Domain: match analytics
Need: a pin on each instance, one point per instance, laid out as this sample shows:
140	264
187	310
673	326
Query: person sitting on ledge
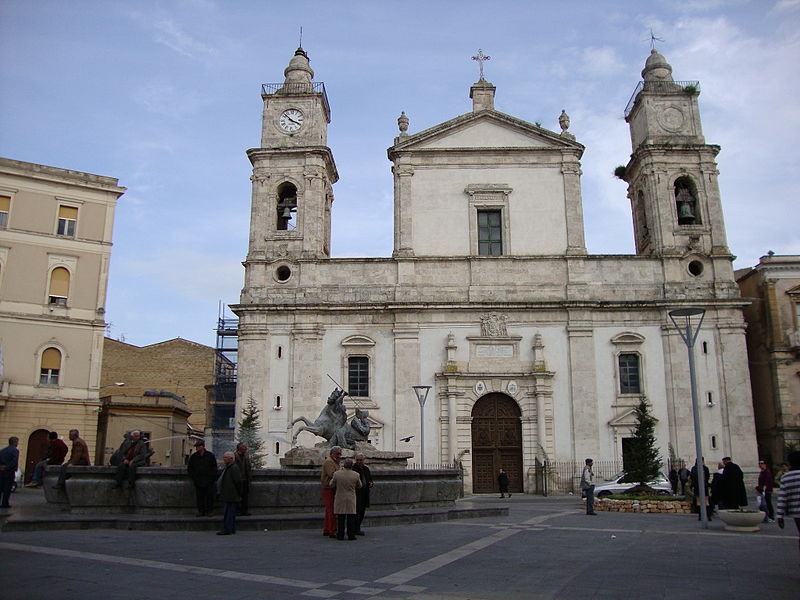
56	452
133	453
79	456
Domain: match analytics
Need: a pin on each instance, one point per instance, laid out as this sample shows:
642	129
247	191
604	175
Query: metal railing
662	87
315	87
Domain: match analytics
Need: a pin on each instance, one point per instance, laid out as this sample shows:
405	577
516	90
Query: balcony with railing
315	87
662	87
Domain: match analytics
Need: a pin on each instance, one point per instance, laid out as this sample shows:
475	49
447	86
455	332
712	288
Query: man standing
230	492
696	488
329	467
502	481
9	461
56	452
202	469
789	495
245	470
346	482
132	454
362	495
587	485
732	491
683	477
78	456
764	487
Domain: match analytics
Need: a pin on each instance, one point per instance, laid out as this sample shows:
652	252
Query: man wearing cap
587	485
202	469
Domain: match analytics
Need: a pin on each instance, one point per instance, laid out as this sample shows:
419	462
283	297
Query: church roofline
408	142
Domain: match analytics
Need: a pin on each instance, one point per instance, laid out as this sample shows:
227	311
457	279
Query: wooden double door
496	442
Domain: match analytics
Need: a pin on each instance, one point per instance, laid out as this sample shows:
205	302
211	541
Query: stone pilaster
583	392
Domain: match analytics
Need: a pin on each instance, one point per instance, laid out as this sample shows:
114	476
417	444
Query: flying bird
406	439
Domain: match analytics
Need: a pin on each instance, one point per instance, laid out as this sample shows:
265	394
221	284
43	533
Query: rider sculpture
332	418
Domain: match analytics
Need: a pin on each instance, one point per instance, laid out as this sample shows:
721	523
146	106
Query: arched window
59	286
287	207
686	202
51	367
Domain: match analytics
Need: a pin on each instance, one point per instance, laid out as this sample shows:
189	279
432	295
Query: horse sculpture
332	418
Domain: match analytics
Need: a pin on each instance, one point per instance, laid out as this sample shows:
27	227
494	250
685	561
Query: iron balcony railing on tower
663	87
315	87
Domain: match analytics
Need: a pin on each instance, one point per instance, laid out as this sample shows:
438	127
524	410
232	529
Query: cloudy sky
165	96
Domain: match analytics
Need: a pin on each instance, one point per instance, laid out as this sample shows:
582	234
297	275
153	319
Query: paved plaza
546	548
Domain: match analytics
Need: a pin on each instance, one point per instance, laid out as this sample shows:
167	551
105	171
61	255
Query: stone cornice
255	154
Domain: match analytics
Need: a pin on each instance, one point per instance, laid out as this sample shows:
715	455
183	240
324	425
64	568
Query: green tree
249	426
643	461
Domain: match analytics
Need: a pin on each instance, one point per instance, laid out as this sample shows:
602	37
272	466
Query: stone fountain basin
744	521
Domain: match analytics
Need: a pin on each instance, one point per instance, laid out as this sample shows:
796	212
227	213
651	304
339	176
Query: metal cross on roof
480	57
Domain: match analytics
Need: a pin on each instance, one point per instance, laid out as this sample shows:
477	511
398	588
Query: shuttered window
5	206
59	286
67	220
51	367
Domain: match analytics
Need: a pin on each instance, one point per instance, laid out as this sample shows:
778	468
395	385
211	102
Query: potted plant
741	519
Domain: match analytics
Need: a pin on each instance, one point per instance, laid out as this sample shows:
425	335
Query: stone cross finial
480	57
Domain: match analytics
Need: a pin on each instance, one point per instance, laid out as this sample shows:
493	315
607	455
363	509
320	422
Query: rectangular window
358	376
5	206
67	220
49	377
490	233
629	374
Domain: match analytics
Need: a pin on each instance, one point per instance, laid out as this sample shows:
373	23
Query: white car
621	483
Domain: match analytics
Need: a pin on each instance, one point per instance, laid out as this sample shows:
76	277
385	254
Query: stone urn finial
563	121
402	123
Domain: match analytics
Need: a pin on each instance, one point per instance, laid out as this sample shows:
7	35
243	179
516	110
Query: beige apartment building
773	347
55	246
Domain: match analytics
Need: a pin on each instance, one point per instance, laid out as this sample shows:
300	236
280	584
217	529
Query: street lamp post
422	394
682	318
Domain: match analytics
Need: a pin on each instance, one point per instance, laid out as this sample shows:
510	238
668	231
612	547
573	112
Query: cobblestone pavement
545	549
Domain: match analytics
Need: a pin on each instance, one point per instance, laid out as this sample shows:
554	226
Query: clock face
291	120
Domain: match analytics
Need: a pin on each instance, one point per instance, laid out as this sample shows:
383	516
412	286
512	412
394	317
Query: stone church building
533	349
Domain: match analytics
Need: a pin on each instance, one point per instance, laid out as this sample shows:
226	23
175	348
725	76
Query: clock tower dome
293	174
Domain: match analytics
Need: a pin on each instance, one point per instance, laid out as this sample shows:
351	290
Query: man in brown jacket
78	456
346	482
329	467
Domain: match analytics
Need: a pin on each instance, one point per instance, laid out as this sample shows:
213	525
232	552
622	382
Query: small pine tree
643	462
249	425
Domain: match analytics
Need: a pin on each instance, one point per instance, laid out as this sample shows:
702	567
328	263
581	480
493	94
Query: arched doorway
496	442
37	450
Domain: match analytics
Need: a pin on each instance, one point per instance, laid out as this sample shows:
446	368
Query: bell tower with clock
672	173
293	171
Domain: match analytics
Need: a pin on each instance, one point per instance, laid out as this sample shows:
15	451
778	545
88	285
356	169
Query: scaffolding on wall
223	397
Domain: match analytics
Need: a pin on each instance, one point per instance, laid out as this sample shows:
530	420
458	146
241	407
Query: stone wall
642	506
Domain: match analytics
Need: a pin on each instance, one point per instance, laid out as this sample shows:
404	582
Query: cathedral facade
532	349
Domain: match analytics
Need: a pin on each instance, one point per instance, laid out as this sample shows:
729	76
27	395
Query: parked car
621	483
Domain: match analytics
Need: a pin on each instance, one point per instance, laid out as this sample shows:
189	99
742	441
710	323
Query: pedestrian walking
502	482
789	495
202	469
362	495
695	482
683	477
764	487
246	471
346	482
329	467
229	487
587	486
9	462
673	480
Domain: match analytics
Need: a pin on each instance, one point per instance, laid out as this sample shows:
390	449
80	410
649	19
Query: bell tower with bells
672	173
293	171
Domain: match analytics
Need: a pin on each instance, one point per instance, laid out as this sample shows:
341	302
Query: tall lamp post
682	318
422	394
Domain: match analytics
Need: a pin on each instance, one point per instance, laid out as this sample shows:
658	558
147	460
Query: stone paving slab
543	549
